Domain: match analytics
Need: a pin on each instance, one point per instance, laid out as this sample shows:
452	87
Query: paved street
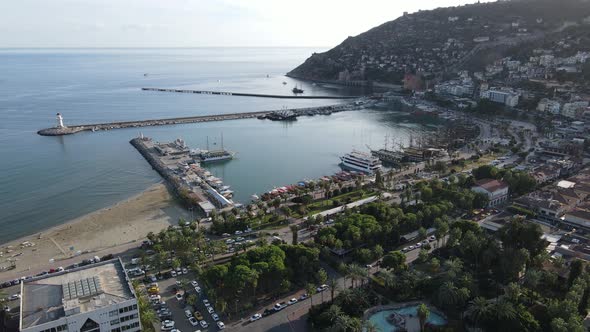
293	318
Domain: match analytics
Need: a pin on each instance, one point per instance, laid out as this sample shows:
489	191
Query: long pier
241	94
73	129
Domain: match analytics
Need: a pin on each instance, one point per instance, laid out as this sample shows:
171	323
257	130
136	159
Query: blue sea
46	181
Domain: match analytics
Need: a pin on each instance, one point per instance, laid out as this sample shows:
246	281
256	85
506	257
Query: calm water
379	319
45	181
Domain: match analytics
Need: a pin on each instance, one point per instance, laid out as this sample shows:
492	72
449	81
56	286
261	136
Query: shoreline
112	229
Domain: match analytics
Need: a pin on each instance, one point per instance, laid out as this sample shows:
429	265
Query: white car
198	289
188	313
14	297
215	317
322	288
292	301
418	245
193	321
194	283
184	270
255	317
173	273
220	325
178	296
206	302
238	232
204	324
210	310
167	325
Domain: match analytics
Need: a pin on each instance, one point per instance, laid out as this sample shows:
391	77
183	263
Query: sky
196	23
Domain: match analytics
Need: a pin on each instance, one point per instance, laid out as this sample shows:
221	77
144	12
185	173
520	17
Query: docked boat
360	161
207	156
297	90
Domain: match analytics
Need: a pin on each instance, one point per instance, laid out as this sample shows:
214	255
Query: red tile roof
491	185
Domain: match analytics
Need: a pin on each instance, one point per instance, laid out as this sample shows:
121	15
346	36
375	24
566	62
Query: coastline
110	230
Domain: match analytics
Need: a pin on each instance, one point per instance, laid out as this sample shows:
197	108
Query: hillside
442	40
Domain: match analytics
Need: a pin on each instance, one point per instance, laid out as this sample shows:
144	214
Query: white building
495	190
93	298
508	98
575	109
549	106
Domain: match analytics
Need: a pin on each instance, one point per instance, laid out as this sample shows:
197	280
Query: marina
195	186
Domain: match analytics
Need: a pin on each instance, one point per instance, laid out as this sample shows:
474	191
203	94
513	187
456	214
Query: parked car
215	317
210	310
292	301
198	289
173	273
303	297
268	312
194	283
238	232
255	317
206	302
220	325
188	313
178	296
193	321
322	288
204	324
198	315
280	306
14	297
167	325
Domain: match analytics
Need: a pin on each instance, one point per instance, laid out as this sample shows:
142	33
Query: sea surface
46	181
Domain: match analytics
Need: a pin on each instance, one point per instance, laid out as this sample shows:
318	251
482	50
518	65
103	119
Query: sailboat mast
222	149
207	143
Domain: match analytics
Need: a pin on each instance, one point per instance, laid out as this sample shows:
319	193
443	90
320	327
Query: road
292	318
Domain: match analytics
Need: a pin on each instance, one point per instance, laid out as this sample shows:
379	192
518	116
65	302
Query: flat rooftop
84	289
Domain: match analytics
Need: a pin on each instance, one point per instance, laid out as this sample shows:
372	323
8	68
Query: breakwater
241	94
73	129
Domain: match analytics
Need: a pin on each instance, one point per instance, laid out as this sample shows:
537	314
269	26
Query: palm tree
503	310
333	286
322	278
370	327
310	289
423	314
333	313
479	311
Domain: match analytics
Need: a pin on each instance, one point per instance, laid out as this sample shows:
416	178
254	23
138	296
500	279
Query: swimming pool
379	319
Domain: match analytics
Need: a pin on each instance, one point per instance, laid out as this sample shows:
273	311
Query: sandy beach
114	229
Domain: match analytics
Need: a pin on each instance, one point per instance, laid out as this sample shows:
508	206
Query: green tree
394	260
333	284
294	233
423	314
322	278
479	311
310	290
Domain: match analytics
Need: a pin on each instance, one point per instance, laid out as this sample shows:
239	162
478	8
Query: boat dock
241	94
194	185
61	129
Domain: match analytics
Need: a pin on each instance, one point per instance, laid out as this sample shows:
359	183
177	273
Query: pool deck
412	323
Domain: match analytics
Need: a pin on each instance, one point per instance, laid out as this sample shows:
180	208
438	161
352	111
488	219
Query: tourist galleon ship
360	161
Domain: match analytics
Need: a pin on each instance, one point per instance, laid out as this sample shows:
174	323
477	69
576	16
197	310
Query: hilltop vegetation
435	41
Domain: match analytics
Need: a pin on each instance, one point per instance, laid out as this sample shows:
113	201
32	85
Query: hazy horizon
194	23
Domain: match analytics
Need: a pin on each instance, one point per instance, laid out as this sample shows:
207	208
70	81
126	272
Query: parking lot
168	288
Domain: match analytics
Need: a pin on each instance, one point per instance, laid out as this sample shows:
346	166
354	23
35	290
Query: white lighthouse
60	121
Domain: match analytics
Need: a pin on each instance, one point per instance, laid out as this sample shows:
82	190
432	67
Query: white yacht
360	161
